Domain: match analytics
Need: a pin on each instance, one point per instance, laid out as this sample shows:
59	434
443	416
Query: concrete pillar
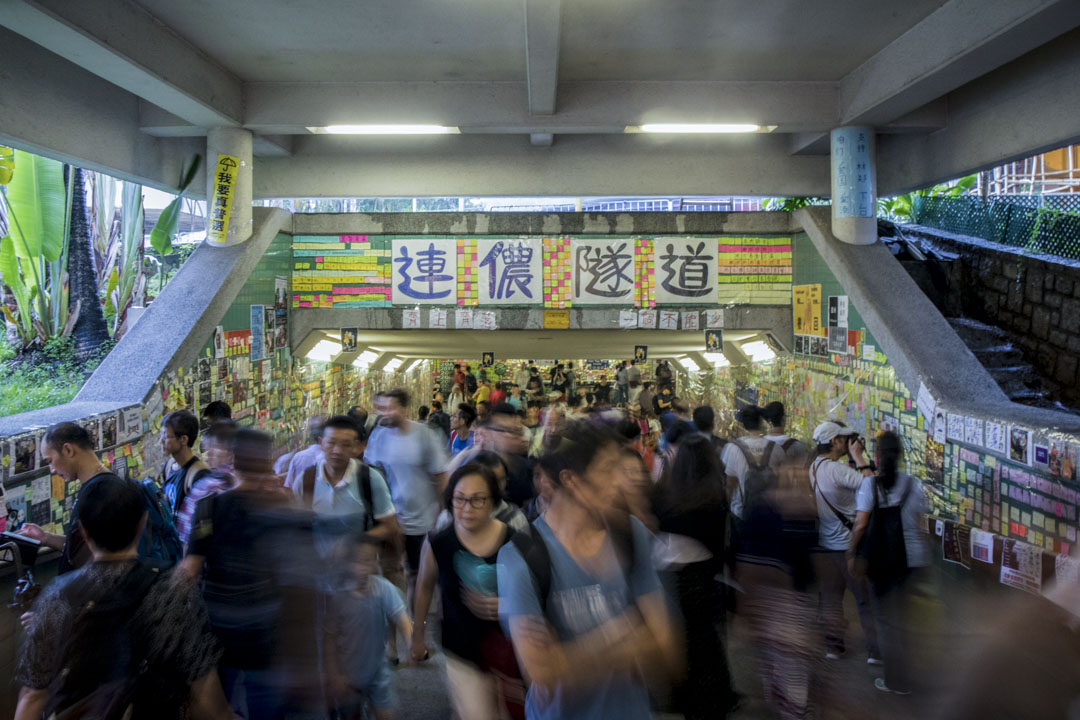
235	142
854	185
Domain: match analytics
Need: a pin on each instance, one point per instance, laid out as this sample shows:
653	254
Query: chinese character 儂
516	258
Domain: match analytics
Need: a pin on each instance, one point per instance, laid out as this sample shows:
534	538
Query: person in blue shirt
354	626
603	624
461	436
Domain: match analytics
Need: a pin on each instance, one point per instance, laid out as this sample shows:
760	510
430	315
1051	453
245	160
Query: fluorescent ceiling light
692	128
385	130
758	350
393	365
689	364
364	359
323	351
717	359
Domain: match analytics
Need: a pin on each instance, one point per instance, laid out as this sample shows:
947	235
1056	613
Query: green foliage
791	204
33	261
161	237
49	376
905	208
126	281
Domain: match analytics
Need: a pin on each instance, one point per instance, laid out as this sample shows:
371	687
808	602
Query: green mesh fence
1043	223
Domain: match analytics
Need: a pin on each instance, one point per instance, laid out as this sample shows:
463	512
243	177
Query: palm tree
90	331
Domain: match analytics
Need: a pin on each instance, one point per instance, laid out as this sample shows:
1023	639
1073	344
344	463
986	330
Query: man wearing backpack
118	636
347	496
835	485
888	546
179	432
69	451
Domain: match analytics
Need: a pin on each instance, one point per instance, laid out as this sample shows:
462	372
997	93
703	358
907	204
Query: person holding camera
835	486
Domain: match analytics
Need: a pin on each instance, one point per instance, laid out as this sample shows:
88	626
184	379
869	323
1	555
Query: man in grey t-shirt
413	461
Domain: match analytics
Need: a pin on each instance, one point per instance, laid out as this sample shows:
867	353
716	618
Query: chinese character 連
686	275
430	264
516	258
606	268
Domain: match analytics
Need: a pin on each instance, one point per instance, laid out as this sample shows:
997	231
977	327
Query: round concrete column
854	185
236	143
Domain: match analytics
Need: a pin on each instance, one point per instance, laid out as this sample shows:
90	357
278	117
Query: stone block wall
1034	297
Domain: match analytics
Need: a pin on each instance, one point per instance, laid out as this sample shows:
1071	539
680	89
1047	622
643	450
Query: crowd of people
582	551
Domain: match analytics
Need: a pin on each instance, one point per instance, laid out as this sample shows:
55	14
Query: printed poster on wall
511	271
800	309
603	271
424	271
281	312
814	301
257	332
686	270
1021	566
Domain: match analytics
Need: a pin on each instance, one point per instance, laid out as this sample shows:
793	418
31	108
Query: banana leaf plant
126	285
168	223
33	252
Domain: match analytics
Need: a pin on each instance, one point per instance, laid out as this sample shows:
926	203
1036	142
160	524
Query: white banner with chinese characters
510	271
603	271
686	270
424	272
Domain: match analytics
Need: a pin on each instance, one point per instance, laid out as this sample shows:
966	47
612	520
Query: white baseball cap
826	431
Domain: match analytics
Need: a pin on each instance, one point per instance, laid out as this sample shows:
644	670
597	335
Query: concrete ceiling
515	344
132	86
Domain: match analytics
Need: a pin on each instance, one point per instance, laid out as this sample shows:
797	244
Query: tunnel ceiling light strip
717	359
392	365
689	364
364	359
323	351
758	350
695	128
385	130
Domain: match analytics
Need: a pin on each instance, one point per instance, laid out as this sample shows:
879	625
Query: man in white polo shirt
835	485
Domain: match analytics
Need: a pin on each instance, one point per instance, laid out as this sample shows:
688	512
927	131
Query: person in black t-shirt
179	431
70	453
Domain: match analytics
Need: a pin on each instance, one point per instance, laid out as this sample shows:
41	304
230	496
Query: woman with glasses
483	675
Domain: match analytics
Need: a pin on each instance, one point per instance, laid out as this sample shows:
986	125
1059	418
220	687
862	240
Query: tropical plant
791	204
126	280
33	252
88	331
168	223
905	208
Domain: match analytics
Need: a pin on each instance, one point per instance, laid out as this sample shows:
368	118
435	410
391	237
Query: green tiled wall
810	269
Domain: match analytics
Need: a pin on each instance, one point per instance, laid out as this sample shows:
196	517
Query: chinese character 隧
516	258
686	275
430	265
607	270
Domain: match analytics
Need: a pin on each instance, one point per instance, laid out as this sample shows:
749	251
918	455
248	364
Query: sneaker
879	683
834	654
874	661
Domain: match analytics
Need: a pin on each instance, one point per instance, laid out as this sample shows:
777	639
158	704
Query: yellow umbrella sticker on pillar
224	188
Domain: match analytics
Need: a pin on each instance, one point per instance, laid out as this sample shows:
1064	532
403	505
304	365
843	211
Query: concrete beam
919	342
51	107
734	353
120	41
542	29
503	107
958	42
190	306
447	165
539	224
1018	110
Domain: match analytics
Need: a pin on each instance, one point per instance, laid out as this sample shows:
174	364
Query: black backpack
760	476
106	673
882	545
534	552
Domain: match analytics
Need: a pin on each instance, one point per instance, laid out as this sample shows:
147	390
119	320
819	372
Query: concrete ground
954	615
